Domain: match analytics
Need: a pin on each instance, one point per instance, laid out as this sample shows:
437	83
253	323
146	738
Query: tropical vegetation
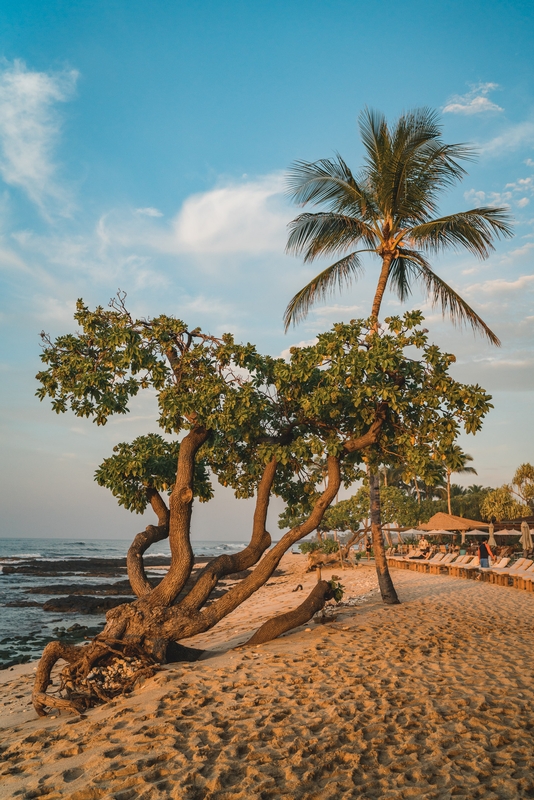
254	423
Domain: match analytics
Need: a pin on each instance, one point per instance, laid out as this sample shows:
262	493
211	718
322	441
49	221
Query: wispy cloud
29	129
149	212
500	286
474	102
515	193
512	138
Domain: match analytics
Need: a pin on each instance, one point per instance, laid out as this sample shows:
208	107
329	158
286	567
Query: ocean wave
19	557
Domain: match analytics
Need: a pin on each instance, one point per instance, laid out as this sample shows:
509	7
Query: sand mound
430	699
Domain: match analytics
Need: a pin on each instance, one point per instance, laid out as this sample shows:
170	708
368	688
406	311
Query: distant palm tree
388	209
456	461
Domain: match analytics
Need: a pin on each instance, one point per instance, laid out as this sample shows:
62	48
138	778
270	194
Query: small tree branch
372	435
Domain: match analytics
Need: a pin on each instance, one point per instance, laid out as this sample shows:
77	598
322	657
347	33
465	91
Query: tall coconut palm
388	209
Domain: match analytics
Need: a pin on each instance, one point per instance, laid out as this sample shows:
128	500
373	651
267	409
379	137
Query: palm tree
456	461
388	210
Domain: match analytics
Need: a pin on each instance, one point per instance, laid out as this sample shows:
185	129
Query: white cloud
149	212
522	186
474	102
488	198
246	217
512	138
286	354
500	286
29	129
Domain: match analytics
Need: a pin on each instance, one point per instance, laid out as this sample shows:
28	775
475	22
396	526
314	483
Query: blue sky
143	146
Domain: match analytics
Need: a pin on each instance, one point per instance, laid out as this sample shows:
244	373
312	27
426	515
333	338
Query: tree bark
381	287
134	560
180	503
387	590
175	624
292	619
226	564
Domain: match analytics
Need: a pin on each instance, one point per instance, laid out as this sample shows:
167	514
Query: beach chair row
520	574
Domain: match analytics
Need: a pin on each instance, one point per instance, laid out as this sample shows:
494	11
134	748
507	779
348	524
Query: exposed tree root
274	627
94	673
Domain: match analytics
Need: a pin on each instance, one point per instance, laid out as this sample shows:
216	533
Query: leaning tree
256	424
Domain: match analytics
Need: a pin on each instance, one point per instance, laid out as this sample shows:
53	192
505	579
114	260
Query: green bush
327	546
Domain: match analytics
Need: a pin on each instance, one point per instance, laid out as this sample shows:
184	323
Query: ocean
38	571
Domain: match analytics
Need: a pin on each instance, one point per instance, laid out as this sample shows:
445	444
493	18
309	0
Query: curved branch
226	564
134	560
175	625
53	652
180	521
278	625
371	437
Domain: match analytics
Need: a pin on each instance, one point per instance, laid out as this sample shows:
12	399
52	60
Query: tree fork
177	627
250	555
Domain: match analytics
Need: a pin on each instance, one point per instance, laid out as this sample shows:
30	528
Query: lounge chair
468	570
521	577
424	566
485	571
454	569
501	576
457	560
435	567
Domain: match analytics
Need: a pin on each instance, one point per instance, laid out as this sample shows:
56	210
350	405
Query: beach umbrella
463	536
526	538
491	540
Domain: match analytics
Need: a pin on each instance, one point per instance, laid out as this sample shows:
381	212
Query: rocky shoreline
62	591
66	592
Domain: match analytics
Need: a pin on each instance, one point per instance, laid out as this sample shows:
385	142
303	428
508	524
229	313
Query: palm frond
453	306
326	181
335	276
402	270
320	234
473	230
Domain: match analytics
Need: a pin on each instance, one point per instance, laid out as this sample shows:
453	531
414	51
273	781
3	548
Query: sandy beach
433	698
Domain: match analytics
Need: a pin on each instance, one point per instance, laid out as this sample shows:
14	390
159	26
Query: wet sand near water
430	699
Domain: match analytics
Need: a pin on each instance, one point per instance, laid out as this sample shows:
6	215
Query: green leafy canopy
255	407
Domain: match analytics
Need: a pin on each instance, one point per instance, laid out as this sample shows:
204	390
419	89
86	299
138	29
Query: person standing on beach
368	548
484	554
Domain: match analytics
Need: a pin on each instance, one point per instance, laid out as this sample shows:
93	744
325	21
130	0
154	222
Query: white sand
430	699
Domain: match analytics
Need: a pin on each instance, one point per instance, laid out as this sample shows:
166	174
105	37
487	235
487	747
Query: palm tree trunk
449	490
387	590
381	287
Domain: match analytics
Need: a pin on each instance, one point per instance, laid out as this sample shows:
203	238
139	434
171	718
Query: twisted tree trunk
140	632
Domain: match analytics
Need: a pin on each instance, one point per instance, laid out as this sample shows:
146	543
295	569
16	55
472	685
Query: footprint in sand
72	774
